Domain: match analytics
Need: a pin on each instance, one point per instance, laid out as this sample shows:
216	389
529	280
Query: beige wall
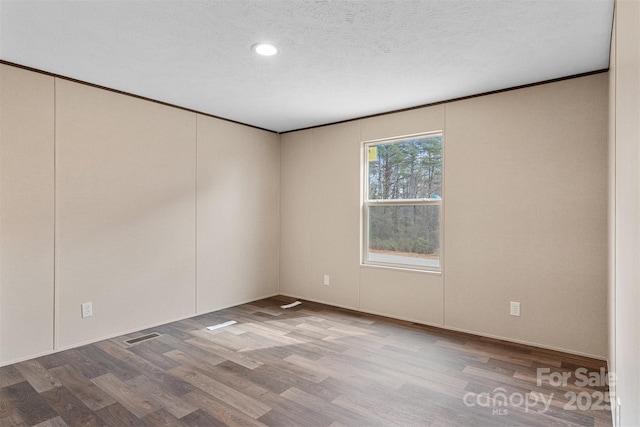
524	214
238	214
159	213
526	206
319	225
296	221
125	212
26	213
335	221
624	323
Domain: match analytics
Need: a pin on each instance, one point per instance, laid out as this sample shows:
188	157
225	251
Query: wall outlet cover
514	308
87	310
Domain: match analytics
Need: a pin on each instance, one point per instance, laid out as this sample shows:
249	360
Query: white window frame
367	203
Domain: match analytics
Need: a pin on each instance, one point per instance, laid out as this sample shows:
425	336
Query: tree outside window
403	196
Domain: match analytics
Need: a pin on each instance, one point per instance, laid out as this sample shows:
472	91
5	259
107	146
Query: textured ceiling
338	59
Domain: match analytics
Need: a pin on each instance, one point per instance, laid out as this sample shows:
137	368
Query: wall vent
142	338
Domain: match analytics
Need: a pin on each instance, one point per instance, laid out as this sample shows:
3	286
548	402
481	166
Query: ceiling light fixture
264	49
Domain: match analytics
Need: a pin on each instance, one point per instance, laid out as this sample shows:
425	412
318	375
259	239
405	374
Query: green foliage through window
410	229
410	169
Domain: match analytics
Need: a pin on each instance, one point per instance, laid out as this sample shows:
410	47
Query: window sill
406	269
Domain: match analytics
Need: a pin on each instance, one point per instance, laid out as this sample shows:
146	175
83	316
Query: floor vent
142	338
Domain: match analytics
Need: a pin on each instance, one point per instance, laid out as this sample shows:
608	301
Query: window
402	200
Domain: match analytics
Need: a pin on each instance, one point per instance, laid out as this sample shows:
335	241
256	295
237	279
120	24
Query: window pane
407	235
409	169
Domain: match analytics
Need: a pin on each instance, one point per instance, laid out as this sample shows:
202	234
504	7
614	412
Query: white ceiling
338	60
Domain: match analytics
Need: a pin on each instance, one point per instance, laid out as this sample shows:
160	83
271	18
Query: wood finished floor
311	365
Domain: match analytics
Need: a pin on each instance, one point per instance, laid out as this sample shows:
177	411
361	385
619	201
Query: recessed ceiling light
264	49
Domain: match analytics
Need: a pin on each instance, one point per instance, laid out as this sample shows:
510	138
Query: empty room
319	213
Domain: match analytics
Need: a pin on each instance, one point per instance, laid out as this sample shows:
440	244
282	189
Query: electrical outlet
515	308
326	280
87	310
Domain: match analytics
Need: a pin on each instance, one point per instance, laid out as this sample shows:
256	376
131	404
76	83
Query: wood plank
84	366
162	418
153	351
202	418
10	375
33	409
92	396
9	415
215	388
225	353
137	403
39	378
173	404
174	385
322	406
53	422
113	349
70	408
223	413
299	414
186	348
118	415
